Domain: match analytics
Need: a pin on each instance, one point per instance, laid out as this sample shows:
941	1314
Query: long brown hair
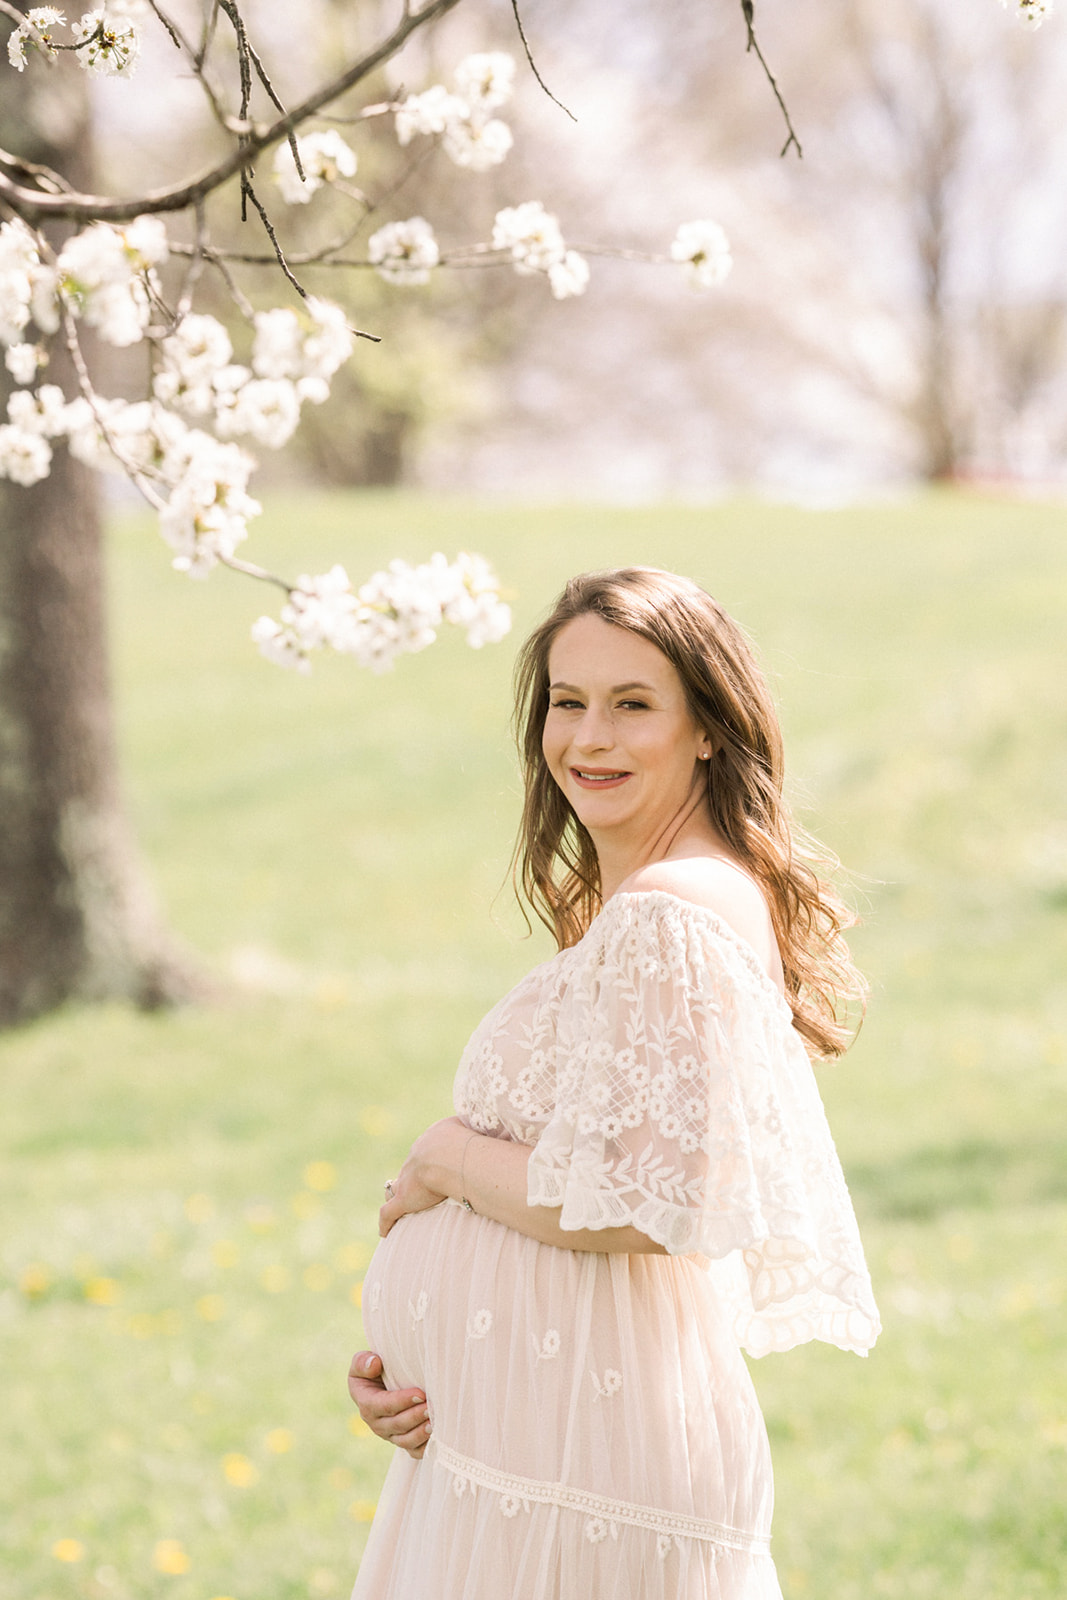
555	866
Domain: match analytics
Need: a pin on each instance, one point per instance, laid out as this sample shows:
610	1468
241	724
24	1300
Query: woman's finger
415	1439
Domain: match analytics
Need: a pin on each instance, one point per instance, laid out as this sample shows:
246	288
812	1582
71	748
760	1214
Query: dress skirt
595	1436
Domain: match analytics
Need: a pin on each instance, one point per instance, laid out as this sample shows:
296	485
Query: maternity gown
595	1431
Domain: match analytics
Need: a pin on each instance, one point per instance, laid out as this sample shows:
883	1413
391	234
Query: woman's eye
564	705
633	705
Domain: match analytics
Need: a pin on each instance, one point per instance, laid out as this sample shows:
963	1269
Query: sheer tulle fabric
595	1429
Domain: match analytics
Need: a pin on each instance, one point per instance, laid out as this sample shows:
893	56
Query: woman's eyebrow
620	688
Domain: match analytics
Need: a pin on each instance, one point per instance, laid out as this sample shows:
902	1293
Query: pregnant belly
615	1372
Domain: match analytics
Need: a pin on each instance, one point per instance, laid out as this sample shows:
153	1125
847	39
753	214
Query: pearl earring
705	755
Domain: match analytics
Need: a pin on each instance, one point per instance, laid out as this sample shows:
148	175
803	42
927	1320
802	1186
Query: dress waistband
520	1493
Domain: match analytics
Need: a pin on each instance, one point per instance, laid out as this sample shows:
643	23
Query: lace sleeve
687	1108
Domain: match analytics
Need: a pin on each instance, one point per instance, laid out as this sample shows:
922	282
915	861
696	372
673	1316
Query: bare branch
273	237
51	182
179	39
250	570
748	9
239	298
208	34
195	268
33	206
533	63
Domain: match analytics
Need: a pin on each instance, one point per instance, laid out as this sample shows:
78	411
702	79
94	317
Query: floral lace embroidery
417	1307
602	1515
610	1384
655	1071
549	1347
479	1324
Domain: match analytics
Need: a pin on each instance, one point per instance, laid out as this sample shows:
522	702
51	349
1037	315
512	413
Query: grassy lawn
188	1201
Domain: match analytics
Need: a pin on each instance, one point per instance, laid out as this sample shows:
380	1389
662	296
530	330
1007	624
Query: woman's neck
690	832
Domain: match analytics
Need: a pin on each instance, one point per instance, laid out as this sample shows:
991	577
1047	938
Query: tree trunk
77	919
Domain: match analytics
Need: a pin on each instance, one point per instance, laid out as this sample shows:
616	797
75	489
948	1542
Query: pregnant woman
639	1181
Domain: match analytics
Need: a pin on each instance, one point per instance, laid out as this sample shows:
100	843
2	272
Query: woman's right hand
399	1416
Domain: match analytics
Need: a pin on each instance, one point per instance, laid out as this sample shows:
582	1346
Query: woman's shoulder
716	884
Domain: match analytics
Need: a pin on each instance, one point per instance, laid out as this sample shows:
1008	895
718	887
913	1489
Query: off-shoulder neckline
723	928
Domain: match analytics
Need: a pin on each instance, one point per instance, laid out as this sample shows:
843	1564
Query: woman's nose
595	731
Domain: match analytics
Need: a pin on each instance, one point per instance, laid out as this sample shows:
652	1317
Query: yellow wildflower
239	1471
169	1557
102	1291
35	1280
320	1175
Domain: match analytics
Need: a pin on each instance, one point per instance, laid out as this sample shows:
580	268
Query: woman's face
619	737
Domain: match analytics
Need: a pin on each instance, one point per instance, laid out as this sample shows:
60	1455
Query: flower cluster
195	475
324	156
531	236
404	252
106	275
394	612
1031	13
106	41
704	250
471	135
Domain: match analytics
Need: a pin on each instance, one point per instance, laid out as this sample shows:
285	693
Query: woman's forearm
491	1174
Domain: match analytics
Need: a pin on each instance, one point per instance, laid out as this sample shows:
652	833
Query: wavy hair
555	867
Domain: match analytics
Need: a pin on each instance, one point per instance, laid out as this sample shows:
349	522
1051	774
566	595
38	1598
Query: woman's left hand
420	1183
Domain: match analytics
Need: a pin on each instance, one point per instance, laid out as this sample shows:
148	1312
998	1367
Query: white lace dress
595	1431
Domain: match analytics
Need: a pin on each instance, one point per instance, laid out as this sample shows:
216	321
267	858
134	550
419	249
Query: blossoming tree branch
124	273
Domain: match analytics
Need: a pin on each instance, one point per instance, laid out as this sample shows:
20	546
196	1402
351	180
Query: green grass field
189	1200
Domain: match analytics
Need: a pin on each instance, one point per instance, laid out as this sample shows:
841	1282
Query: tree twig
32	206
748	10
250	193
533	63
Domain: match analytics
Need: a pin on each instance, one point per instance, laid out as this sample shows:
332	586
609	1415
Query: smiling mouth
598	780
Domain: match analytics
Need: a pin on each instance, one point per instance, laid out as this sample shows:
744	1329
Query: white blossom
19	262
531	235
111	43
45	412
404	252
472	600
191	358
266	408
329	340
396	611
430	112
478	144
34	31
44	297
311	345
143	438
280	645
105	272
1031	13
22	361
206	516
324	156
25	457
705	251
569	276
486	81
277	351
